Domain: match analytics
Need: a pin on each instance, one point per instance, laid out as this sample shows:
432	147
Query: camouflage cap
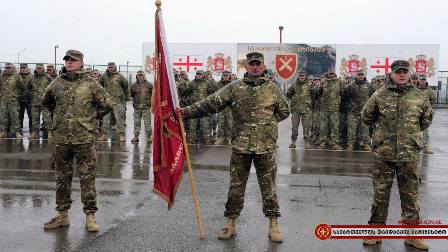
9	64
423	77
255	56
360	73
183	72
414	77
302	73
399	64
200	72
23	65
73	54
226	73
50	66
39	65
111	64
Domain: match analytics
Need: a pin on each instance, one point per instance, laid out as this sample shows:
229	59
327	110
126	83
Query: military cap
399	64
73	54
226	73
140	72
175	71
255	56
200	72
360	72
422	77
414	77
183	72
23	65
50	66
302	73
39	65
111	64
9	64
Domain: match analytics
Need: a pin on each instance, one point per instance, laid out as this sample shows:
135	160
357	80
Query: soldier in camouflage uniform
300	95
10	85
39	83
225	116
25	95
213	118
117	86
141	93
200	129
357	94
51	71
315	108
184	96
330	92
424	87
399	112
257	106
76	100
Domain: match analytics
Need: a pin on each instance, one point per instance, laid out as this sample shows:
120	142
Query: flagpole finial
158	4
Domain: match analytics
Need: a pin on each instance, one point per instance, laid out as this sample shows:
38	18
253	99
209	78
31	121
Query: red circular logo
322	231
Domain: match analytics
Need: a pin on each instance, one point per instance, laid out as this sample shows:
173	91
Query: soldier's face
199	76
140	77
226	77
8	69
255	68
39	70
73	65
422	82
301	77
23	69
401	76
360	77
111	68
50	70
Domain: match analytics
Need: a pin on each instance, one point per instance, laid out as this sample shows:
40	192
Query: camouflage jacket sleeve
290	92
370	112
124	84
102	100
210	105
133	90
48	100
282	110
425	119
102	80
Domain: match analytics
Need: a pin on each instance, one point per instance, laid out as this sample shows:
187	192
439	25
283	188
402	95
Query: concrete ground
314	186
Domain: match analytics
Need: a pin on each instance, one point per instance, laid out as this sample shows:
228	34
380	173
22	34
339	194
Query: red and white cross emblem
187	63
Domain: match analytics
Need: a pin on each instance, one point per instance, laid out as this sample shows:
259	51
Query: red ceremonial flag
168	149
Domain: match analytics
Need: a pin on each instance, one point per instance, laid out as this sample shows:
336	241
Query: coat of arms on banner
188	63
286	65
352	65
219	64
422	66
149	63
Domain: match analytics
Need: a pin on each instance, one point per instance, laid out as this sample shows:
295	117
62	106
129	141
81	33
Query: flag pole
158	3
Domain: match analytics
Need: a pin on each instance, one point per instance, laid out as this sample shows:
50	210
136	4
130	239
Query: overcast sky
113	30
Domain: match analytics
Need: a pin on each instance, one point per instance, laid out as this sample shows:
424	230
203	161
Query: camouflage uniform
224	117
52	71
315	108
141	93
117	86
184	96
76	100
357	94
300	95
9	106
396	149
39	83
213	118
432	99
200	129
330	92
25	95
257	106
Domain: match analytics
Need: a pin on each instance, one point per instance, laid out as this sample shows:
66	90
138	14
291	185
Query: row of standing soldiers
329	109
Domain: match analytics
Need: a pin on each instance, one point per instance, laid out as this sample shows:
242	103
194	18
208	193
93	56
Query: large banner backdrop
286	60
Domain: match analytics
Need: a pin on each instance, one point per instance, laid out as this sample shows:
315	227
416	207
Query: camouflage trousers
296	117
225	124
9	116
146	115
329	127
36	111
200	129
315	123
408	179
343	127
63	157
357	129
119	113
25	106
266	170
425	137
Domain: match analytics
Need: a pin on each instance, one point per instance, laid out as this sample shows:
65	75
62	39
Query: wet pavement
314	186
